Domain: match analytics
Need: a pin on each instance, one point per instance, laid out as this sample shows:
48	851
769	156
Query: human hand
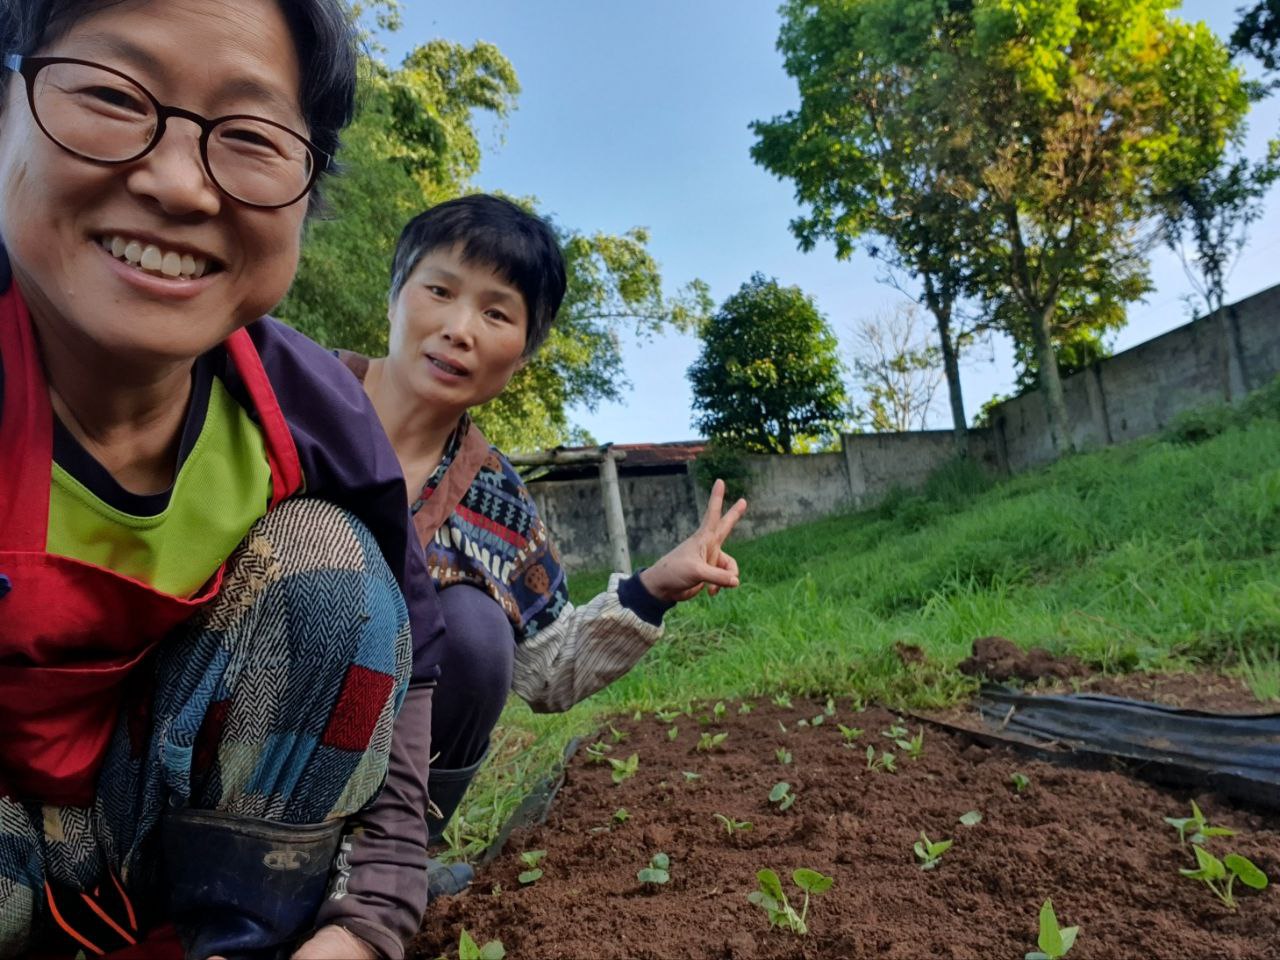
698	561
335	943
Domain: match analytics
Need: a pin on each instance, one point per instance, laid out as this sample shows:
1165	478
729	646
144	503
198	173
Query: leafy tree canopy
769	376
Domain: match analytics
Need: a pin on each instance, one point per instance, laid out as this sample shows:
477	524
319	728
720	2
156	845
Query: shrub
721	461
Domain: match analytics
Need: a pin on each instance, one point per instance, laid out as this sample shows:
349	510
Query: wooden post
610	490
614	519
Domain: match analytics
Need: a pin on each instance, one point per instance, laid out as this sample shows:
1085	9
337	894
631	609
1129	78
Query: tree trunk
1051	381
951	366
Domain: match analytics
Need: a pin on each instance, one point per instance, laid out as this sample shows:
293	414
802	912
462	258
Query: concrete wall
1136	393
1133	394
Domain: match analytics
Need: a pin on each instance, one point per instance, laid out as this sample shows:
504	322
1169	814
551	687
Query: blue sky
636	114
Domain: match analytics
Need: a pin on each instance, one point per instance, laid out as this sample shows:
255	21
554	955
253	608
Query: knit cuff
634	596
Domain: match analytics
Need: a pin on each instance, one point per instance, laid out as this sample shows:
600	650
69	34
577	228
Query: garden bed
1094	841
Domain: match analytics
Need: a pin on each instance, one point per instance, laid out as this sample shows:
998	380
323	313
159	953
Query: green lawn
1162	553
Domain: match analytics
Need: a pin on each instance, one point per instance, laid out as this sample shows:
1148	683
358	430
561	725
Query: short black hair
519	246
322	33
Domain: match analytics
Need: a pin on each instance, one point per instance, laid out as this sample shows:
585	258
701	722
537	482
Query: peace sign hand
699	561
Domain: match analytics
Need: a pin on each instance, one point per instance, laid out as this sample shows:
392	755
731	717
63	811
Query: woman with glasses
217	638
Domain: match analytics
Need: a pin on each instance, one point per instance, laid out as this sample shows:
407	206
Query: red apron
71	633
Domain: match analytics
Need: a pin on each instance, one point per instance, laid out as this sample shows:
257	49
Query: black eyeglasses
103	115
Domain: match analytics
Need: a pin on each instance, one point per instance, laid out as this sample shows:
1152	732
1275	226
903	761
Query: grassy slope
1153	554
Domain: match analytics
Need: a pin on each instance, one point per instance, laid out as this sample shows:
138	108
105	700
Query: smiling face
94	247
457	331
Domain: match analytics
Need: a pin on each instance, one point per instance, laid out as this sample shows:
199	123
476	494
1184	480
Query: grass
1158	554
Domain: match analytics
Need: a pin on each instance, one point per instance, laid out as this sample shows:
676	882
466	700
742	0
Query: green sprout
782	726
802	723
596	752
732	826
1230	868
1054	942
914	748
830	708
1020	781
744	708
771	898
708	742
690	776
971	819
673	732
719	710
657	871
850	734
886	761
666	716
618	735
531	859
1196	828
621	815
782	700
783	755
818	720
467	949
625	769
781	795
930	853
895	731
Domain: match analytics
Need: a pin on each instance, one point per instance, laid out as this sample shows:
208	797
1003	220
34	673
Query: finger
715	503
726	525
714	576
726	562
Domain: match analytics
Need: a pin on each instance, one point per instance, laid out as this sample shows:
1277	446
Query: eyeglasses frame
29	68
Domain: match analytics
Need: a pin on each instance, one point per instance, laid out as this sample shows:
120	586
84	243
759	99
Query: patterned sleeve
582	651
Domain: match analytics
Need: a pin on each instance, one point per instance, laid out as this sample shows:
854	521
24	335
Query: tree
768	375
414	144
1077	107
1258	33
869	147
898	371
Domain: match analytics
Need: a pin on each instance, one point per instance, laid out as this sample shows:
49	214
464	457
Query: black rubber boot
244	888
446	789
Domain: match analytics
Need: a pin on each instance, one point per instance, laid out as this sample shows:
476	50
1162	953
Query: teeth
153	259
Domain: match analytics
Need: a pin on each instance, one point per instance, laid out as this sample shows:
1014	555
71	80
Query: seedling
971	819
782	700
782	726
732	826
625	769
850	734
1230	868
708	741
673	732
666	716
818	720
657	871
467	949
596	752
895	731
830	708
771	898
1196	828
637	716
531	859
1020	781
744	708
690	776
1053	942
886	761
930	853
914	748
719	710
621	815
783	755
618	735
781	795
803	723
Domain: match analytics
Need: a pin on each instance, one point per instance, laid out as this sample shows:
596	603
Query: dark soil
1093	841
996	658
